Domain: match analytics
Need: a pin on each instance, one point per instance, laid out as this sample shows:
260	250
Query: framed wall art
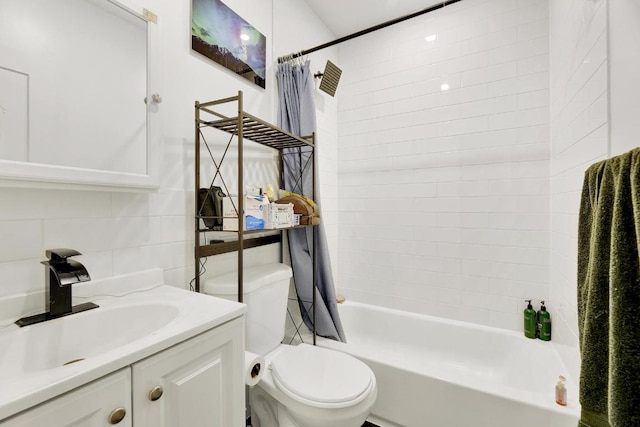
221	35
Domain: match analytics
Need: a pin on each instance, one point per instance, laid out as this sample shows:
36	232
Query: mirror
75	77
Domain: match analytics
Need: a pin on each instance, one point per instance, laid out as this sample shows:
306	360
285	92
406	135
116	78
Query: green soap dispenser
529	321
544	323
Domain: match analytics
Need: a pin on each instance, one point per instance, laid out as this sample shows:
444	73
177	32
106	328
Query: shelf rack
243	126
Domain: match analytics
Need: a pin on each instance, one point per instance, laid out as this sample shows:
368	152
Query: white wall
123	232
444	195
293	34
624	68
579	137
594	115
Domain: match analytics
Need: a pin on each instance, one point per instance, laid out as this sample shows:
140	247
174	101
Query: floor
366	424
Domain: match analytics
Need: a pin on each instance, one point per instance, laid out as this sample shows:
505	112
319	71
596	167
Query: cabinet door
197	383
93	405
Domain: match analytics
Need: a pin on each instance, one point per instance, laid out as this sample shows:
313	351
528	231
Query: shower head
330	78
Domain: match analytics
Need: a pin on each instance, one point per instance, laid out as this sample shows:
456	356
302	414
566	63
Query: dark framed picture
220	34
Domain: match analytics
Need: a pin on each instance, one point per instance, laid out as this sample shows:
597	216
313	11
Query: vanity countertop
137	317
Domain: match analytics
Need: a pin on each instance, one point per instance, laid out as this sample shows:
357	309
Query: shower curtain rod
367	30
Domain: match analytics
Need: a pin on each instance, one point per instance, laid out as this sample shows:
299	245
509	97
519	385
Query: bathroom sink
138	316
72	339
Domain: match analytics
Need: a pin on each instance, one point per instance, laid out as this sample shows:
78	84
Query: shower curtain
297	114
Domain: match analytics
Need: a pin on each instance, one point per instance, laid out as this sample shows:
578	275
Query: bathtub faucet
61	273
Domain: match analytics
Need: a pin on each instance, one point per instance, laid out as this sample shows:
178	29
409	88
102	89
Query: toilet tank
265	289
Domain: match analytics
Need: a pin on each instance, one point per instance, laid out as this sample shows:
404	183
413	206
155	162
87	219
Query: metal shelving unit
242	126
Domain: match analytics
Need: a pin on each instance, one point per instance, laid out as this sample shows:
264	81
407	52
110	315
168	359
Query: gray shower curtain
297	114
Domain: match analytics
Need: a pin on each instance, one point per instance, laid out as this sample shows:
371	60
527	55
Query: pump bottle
529	321
544	323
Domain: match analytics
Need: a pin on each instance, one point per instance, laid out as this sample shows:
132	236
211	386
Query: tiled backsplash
116	232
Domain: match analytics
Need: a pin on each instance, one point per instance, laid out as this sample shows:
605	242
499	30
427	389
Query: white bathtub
433	372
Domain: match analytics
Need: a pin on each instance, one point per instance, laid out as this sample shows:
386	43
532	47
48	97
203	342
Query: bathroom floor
366	424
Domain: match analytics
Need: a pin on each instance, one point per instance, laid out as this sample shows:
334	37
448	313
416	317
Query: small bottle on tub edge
561	392
529	321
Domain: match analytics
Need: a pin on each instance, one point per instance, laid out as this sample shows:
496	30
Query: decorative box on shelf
278	215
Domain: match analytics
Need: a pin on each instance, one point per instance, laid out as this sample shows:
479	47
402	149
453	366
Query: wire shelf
260	131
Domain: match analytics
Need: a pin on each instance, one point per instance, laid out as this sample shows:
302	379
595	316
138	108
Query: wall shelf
261	132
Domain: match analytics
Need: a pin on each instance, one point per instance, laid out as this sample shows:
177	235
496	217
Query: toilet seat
321	377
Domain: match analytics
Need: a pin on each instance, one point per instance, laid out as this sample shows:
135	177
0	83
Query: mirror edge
38	175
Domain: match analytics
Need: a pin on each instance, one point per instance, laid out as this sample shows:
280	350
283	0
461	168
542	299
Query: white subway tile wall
444	163
450	184
579	137
116	232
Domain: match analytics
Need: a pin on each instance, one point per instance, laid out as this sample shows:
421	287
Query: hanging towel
609	293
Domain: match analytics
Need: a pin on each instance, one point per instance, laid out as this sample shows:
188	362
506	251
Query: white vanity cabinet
98	404
196	383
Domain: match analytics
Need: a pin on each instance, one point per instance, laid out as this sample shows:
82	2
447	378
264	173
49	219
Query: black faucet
61	273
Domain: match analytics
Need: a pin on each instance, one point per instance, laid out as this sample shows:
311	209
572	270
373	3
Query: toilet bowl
303	385
307	386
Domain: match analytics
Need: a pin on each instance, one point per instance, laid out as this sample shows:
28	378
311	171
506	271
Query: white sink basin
54	343
137	317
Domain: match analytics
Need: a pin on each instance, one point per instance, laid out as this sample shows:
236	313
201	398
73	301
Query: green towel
609	293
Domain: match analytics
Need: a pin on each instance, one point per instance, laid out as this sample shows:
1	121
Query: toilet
303	385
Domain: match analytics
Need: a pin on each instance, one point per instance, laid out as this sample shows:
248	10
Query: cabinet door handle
156	393
117	415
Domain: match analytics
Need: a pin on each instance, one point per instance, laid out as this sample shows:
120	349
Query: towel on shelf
609	293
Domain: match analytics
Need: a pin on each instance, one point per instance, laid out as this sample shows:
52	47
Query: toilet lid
320	375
